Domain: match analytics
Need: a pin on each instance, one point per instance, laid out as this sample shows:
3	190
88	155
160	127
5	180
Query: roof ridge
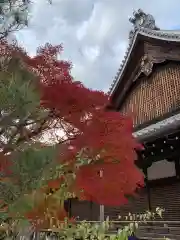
146	28
120	69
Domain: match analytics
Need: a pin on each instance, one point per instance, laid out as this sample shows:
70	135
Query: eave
167	36
169	124
162	127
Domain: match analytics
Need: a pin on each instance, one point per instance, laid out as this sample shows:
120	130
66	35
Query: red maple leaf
104	136
117	180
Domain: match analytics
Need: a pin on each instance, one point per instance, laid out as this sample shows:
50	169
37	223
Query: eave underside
162	145
157	50
145	35
160	128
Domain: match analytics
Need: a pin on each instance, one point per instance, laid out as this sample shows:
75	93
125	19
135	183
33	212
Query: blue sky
94	32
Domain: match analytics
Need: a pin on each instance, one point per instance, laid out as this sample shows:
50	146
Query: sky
94	33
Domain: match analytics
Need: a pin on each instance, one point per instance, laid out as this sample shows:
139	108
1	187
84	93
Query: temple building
147	86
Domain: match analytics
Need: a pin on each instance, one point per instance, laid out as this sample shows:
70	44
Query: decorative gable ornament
146	65
141	19
144	25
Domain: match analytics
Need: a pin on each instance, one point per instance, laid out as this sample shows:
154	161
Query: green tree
40	100
14	15
37	104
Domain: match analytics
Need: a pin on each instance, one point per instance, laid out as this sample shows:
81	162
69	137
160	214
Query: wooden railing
151	230
155	230
159	232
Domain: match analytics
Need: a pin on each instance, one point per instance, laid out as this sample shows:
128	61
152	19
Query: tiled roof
154	33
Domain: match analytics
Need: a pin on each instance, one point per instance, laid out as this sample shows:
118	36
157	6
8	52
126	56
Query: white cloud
94	32
91	53
82	30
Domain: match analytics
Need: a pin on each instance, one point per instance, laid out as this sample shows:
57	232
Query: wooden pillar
101	214
91	211
69	208
148	189
177	167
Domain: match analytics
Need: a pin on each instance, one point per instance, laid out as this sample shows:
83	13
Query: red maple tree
104	138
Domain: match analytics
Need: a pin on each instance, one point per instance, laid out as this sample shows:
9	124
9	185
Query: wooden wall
84	210
167	197
155	95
